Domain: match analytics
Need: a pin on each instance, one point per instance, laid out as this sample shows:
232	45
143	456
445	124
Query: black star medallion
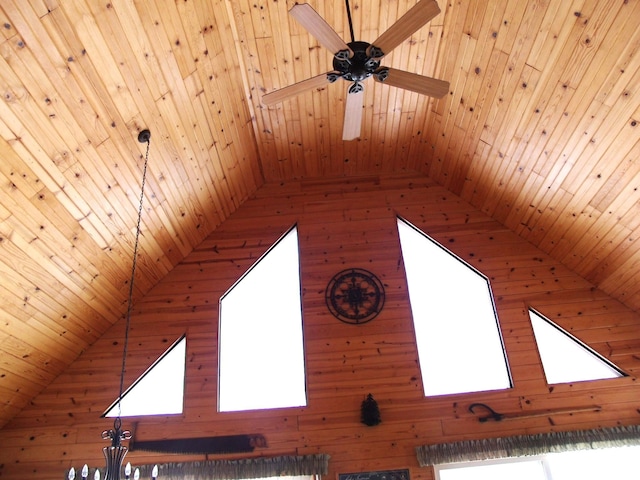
355	296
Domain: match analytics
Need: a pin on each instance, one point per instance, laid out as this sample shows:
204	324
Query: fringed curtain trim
238	469
526	445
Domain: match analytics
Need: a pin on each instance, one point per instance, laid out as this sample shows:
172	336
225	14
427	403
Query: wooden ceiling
539	130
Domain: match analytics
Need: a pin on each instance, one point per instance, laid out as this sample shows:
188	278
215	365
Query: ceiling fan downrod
363	62
353	39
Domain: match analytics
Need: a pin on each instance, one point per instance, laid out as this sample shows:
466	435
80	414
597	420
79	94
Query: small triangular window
159	390
565	358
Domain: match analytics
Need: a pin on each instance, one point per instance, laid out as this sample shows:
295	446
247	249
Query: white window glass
502	470
611	463
621	463
158	391
459	343
260	335
564	357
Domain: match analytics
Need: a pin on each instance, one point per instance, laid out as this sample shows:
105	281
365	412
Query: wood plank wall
341	223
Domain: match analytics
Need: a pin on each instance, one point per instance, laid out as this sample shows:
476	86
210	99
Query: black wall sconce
369	412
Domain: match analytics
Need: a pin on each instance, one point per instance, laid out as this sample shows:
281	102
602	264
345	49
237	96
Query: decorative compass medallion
355	296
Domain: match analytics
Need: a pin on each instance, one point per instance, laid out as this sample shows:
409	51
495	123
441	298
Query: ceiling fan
357	60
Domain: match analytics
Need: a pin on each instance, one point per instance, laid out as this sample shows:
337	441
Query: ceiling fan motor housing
361	65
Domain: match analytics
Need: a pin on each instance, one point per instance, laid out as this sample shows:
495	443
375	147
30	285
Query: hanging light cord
147	138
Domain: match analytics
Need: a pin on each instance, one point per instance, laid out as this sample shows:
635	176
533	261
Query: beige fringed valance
526	445
238	469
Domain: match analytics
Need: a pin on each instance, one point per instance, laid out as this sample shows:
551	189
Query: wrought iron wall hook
493	415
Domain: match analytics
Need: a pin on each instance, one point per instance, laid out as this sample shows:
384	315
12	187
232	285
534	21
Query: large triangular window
260	343
159	390
565	358
459	343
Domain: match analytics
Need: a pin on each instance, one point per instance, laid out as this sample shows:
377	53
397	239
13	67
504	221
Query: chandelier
115	453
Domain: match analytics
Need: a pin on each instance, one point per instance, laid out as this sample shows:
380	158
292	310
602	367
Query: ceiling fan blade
429	86
407	25
318	28
353	113
285	93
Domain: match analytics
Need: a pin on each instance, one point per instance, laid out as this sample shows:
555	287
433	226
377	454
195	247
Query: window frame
163	356
579	343
496	320
249	271
546	460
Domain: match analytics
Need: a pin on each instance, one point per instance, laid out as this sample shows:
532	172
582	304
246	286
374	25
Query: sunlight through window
260	336
459	343
621	463
504	470
160	390
564	357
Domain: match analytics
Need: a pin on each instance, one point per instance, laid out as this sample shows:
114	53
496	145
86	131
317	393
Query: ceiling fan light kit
358	60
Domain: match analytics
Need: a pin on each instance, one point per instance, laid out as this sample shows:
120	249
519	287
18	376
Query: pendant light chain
115	453
133	274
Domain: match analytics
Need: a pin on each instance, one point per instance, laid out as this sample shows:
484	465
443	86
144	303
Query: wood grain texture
341	224
538	130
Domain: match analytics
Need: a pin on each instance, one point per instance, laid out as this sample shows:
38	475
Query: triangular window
459	343
260	334
159	390
565	358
